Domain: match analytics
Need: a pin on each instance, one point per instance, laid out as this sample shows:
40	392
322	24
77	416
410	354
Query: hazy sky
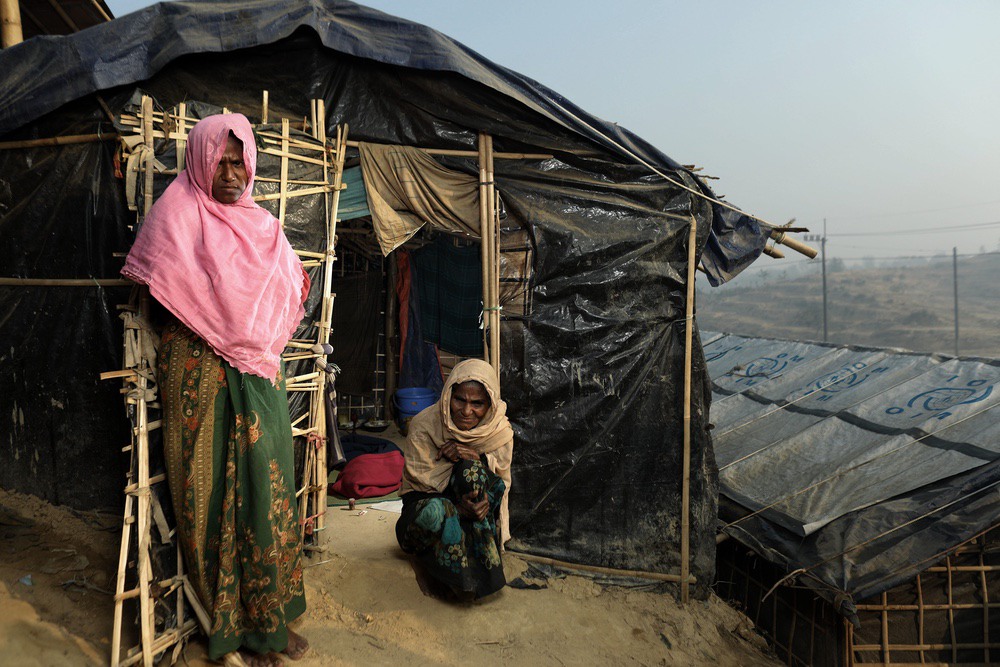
882	117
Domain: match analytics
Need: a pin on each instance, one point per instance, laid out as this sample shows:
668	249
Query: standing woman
223	268
455	484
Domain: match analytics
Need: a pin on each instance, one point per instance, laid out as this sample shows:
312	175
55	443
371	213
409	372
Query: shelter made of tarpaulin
593	375
853	468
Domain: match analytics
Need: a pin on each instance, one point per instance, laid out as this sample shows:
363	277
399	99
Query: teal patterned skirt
461	553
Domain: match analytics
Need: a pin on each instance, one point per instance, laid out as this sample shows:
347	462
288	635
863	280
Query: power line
924	230
926	210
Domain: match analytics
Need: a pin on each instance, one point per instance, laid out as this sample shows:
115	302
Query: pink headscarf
225	270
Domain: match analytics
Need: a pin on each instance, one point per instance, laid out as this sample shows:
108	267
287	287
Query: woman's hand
471	508
455	452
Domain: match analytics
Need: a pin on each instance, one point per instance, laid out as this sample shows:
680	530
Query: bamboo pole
951	612
333	210
885	629
64	140
686	457
474	154
986	607
494	246
150	158
64	16
920	614
10	23
391	315
284	171
65	282
147	627
483	243
116	632
596	569
796	245
100	10
263	110
181	140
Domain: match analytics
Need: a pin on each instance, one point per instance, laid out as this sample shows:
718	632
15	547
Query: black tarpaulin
592	374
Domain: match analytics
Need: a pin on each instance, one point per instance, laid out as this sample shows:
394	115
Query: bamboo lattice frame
140	387
805	630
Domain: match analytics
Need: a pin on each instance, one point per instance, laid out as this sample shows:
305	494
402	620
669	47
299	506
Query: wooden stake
263	110
686	459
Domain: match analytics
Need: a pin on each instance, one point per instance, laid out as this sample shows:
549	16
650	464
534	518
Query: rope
638	159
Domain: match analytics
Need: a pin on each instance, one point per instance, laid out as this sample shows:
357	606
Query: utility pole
954	267
822	248
816	238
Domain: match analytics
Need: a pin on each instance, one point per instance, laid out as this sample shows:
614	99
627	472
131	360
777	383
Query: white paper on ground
394	506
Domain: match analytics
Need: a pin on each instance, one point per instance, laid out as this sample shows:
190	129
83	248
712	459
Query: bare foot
297	645
430	586
261	659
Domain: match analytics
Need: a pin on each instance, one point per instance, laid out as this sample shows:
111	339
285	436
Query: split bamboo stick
686	456
287	194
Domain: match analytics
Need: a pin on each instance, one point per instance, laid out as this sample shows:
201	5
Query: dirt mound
364	605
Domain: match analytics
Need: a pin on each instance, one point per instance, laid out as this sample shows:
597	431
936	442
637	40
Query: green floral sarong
228	448
459	552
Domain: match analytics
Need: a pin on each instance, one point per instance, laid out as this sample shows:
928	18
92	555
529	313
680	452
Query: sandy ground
364	606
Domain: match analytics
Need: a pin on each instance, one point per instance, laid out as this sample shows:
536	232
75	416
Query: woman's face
469	404
230	178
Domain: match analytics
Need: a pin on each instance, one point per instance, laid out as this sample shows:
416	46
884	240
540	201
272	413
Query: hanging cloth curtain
407	189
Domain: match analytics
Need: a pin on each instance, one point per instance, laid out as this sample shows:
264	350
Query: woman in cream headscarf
455	485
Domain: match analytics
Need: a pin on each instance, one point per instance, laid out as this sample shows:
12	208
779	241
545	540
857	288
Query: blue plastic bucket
411	400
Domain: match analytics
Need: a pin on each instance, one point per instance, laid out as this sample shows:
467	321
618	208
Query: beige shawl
433	427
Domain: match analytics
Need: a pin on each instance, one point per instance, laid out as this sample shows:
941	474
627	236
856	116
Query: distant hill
910	307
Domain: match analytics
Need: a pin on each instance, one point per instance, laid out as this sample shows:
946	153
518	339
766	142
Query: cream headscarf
433	427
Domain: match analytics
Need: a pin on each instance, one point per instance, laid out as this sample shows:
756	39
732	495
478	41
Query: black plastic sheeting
593	375
44	73
905	447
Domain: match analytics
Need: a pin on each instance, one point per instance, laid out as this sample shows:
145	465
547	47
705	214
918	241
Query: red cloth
370	476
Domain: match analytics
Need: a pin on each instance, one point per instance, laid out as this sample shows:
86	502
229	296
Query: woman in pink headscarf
223	268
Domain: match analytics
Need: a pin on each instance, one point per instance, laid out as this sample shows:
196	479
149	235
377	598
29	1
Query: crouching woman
455	483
